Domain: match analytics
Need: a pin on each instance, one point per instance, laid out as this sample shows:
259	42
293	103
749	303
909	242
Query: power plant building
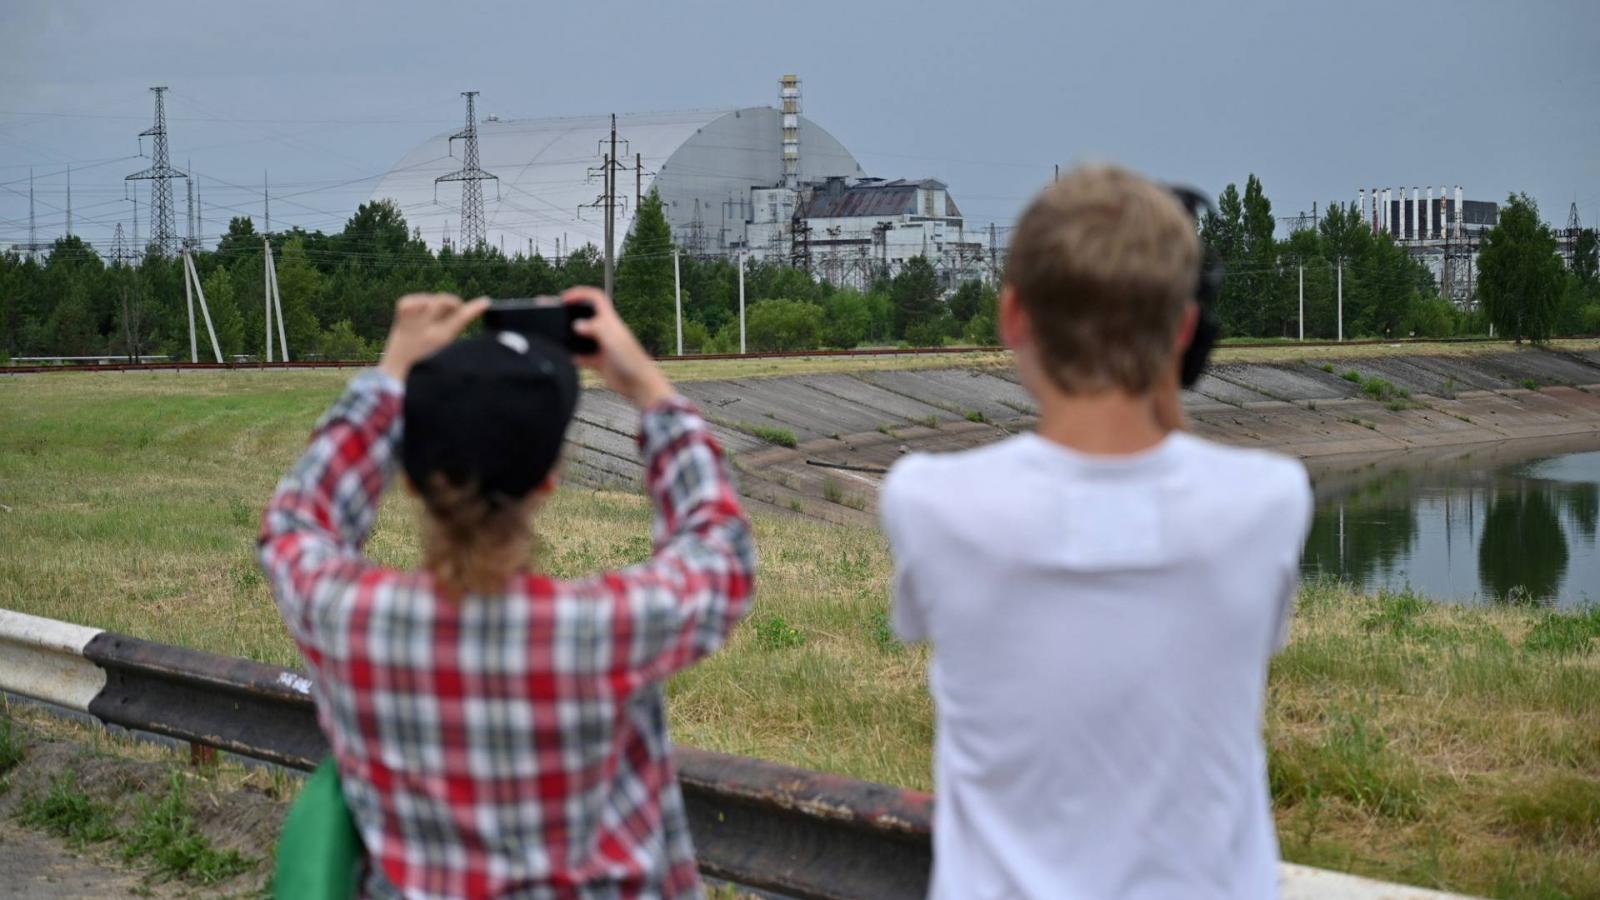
1443	232
758	182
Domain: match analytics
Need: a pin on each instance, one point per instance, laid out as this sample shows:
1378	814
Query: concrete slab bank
816	445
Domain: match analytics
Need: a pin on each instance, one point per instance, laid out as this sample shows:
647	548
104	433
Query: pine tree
644	277
222	301
915	294
1519	274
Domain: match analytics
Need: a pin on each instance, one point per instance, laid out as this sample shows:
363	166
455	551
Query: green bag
319	850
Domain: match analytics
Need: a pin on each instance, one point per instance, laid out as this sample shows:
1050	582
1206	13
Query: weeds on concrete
1352	376
975	415
1529	384
783	437
832	491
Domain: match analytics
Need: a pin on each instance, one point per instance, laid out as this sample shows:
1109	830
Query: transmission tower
470	176
1570	245
163	231
119	247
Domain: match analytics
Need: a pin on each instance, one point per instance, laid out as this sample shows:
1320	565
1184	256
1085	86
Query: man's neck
1110	423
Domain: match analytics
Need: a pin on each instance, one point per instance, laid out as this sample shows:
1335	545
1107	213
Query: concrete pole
741	301
677	293
266	289
1302	302
205	311
277	305
1428	225
1341	300
188	299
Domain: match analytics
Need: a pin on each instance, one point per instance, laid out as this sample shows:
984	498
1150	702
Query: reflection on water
1476	526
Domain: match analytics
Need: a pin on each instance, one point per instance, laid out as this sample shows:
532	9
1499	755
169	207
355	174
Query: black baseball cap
488	412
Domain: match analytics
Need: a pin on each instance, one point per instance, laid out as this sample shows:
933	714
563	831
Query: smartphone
546	317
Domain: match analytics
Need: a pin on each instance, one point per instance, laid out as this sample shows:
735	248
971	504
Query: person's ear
1186	328
1015	328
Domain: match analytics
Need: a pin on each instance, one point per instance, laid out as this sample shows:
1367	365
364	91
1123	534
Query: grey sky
1317	100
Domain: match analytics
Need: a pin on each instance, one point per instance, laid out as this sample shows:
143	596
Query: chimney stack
789	98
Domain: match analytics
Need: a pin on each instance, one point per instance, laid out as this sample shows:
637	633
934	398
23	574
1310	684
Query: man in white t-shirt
1102	596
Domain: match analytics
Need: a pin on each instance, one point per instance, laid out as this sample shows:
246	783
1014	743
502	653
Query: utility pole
33	232
611	210
471	177
163	232
677	293
1302	301
266	205
1341	299
266	289
638	182
69	201
741	302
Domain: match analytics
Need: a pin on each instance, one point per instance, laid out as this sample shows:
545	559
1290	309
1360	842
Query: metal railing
803	834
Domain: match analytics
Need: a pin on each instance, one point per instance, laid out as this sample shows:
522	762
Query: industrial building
761	183
1443	233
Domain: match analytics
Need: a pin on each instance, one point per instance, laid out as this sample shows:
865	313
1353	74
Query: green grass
773	633
1352	376
974	415
1444	746
11	752
164	838
783	437
68	812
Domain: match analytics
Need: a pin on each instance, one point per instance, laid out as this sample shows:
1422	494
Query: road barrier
759	824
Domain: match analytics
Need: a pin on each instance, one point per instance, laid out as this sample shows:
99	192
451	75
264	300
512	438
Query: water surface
1488	524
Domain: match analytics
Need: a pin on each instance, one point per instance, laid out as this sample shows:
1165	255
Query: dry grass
1441	746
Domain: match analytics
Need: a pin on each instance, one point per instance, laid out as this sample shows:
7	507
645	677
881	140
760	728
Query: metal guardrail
804	834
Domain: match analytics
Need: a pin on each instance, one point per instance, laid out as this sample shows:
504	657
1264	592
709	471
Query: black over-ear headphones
1209	327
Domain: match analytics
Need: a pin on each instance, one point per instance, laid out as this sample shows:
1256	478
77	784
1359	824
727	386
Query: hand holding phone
548	317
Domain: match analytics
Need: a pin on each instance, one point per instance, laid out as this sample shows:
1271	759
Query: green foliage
341	342
164	836
1352	761
1382	390
11	752
1352	375
915	295
1519	275
783	325
644	278
1557	808
222	302
66	811
783	437
773	633
1560	632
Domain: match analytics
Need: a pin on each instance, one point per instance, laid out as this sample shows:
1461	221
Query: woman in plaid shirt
501	733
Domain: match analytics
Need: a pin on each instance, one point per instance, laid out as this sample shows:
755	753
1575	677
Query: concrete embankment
846	428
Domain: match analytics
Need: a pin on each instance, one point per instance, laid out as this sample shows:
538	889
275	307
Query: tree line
338	290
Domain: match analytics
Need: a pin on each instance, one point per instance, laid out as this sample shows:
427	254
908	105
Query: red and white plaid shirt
511	745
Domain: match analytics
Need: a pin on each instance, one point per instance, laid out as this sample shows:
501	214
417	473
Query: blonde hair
1104	262
471	546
